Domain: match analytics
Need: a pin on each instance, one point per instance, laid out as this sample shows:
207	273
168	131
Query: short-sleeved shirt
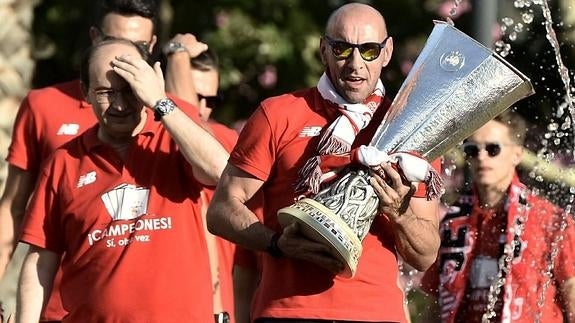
281	135
51	116
130	231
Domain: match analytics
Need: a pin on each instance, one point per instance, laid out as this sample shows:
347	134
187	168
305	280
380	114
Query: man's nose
355	61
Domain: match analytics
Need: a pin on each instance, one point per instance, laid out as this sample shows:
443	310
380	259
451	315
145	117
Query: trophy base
322	225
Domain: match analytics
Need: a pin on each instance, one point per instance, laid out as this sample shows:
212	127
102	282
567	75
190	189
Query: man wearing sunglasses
501	228
193	75
320	129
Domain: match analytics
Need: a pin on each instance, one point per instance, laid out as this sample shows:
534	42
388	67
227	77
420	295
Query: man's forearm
206	155
417	241
35	284
232	220
179	79
568	293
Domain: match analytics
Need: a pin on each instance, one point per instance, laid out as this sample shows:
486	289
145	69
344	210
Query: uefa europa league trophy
455	86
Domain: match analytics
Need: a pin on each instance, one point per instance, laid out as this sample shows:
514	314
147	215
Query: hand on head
146	82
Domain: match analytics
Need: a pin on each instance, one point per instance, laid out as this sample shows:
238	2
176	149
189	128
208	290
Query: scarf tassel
309	177
434	185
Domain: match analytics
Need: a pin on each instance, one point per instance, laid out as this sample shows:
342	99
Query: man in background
506	254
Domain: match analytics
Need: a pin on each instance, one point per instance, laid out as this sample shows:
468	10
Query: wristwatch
163	107
173	47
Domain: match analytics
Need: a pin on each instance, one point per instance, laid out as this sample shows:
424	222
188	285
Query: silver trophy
455	86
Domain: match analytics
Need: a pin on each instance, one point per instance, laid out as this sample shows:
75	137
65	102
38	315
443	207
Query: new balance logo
87	179
310	131
69	129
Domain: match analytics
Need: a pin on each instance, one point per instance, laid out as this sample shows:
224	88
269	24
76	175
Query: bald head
355	13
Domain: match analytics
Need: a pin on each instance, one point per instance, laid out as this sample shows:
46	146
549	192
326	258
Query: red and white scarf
339	136
336	142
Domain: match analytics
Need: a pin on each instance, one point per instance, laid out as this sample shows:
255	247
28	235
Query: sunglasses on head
343	50
472	149
212	101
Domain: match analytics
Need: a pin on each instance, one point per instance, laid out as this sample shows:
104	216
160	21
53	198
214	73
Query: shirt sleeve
255	152
24	151
41	225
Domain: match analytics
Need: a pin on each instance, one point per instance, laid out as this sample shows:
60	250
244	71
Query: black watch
163	107
273	249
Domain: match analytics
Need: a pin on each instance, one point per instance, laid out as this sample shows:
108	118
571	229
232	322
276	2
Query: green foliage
268	47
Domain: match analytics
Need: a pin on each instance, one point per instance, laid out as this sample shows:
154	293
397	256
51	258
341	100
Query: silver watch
173	47
162	108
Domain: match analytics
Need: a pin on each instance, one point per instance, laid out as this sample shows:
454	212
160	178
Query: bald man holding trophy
455	86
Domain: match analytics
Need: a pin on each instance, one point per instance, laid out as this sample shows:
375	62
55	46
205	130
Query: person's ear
94	34
153	44
518	155
323	51
387	51
85	90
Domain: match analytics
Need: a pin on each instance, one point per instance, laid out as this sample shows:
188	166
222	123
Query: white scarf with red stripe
339	136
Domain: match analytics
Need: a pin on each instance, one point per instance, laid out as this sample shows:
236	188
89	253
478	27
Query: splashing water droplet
503	29
553	126
539	178
527	17
518	27
519	4
557	141
513	36
507	21
452	12
572	190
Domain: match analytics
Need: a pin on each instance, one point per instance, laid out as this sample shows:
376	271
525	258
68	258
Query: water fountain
557	131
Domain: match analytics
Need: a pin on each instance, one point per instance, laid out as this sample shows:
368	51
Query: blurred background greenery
268	47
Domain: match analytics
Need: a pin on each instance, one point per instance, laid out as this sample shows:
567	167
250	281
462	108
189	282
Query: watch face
164	106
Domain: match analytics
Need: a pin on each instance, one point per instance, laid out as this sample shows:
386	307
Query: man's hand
192	45
293	244
146	82
393	190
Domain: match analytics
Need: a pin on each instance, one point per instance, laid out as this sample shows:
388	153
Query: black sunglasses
212	101
343	50
472	149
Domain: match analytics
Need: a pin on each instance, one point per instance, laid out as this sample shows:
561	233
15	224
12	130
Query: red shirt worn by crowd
122	227
51	116
225	249
473	241
47	118
278	139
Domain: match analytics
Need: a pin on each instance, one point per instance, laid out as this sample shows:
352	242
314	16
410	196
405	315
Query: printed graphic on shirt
310	131
68	129
127	206
86	179
126	202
